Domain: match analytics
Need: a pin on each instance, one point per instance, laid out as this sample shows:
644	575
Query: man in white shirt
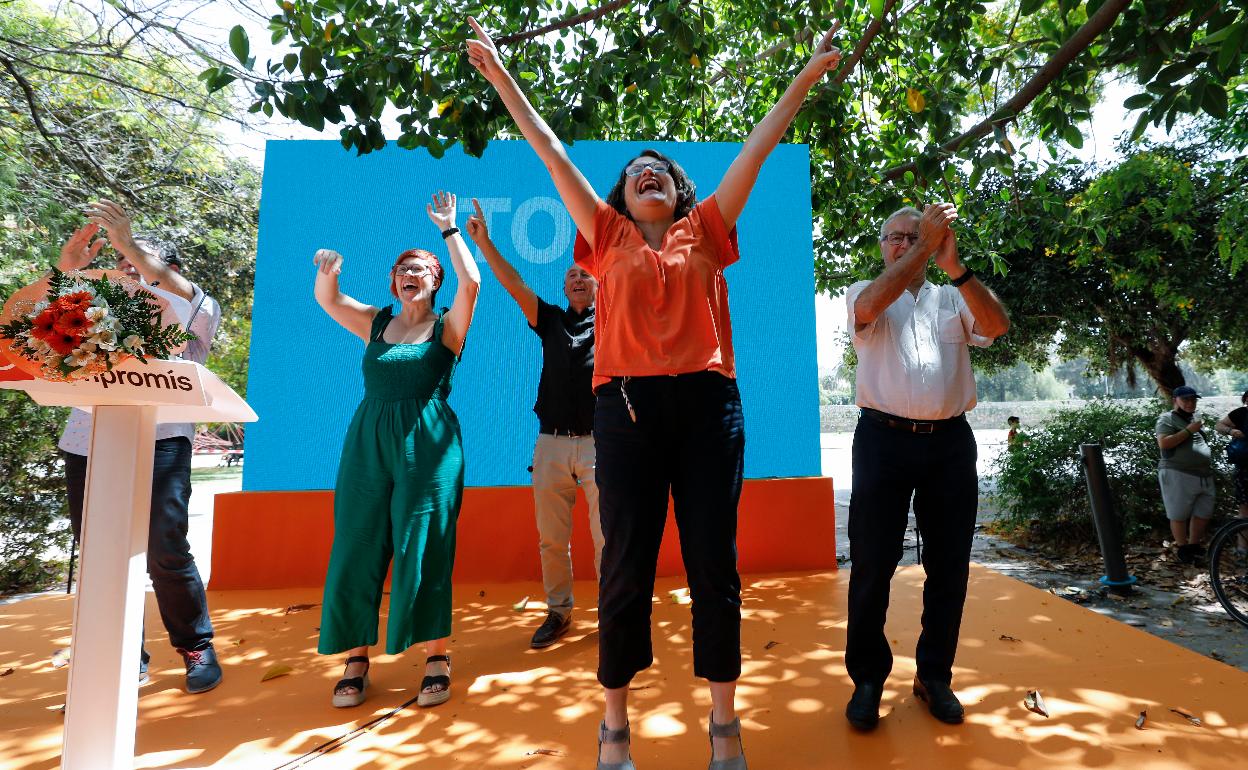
914	384
175	577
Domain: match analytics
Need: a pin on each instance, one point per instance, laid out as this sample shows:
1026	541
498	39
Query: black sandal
360	683
427	699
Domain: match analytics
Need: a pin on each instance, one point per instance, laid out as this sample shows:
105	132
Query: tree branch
1100	21
571	21
868	35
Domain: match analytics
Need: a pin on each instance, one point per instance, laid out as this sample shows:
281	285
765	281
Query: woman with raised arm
668	414
401	477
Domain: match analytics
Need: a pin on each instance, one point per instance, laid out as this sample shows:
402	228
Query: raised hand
115	221
483	54
328	262
935	223
477	228
826	57
442	210
946	257
80	249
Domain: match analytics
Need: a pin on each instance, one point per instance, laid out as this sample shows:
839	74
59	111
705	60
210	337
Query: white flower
95	313
104	338
114	357
82	355
133	343
40	306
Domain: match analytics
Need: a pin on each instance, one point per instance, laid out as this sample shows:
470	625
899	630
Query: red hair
428	257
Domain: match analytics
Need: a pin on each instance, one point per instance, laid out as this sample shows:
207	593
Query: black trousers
689	439
175	577
889	467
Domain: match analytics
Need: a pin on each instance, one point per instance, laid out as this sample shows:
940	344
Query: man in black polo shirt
564	454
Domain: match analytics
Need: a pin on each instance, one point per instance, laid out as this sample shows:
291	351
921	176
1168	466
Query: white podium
102	701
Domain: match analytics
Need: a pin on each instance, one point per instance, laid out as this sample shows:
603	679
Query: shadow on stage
519	708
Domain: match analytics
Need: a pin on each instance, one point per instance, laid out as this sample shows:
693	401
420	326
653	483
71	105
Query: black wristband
447	233
961	279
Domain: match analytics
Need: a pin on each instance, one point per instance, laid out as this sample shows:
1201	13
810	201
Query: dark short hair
686	190
165	249
1012	419
1244	398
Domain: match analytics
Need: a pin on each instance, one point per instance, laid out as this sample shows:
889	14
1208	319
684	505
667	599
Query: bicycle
1228	568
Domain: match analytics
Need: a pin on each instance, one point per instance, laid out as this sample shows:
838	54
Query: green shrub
1041	494
34	527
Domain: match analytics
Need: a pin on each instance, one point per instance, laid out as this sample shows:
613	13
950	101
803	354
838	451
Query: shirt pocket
950	328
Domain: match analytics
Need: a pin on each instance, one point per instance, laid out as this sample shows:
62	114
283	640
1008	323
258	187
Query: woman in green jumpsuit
401	477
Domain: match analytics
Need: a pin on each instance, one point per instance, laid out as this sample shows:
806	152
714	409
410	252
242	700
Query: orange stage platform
282	539
518	708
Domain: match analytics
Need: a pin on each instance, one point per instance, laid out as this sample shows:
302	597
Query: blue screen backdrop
304	378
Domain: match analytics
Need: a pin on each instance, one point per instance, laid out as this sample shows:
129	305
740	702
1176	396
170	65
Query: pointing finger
476	204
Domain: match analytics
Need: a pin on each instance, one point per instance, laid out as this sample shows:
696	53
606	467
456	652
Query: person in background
563	456
1235	425
1185	472
175	576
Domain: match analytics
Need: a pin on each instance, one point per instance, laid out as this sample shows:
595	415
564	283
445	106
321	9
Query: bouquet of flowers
84	325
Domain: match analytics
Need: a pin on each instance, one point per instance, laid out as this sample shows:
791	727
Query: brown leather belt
911	426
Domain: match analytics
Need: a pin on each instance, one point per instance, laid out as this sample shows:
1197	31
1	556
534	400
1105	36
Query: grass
216	474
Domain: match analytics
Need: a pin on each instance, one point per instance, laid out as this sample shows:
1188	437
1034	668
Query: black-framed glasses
896	239
658	167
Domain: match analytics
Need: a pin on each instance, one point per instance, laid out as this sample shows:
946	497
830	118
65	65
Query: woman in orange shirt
668	415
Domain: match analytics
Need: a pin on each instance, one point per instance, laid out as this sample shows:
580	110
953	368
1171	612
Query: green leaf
290	61
1230	50
529	76
1214	101
240	46
1073	136
877	8
1028	7
1138	101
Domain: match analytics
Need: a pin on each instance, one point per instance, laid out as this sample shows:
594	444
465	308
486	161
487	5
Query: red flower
63	343
44	325
73	323
79	298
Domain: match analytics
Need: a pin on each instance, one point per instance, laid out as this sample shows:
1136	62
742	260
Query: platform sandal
613	736
344	700
427	699
730	730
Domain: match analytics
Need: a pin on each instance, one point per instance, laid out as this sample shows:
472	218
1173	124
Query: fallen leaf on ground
481	594
60	658
238	642
7	671
520	605
679	596
299	608
1194	720
1035	703
1008	638
1141	720
545	752
275	672
769	645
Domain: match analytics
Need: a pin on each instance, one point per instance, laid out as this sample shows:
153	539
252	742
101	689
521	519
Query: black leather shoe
548	633
202	670
863	709
940	701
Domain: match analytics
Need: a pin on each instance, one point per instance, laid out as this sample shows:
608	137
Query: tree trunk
1159	359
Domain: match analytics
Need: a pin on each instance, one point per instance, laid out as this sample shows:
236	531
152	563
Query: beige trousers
560	463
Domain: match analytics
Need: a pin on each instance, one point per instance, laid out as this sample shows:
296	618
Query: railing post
1107	531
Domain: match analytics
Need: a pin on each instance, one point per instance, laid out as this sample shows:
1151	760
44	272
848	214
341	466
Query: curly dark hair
686	190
